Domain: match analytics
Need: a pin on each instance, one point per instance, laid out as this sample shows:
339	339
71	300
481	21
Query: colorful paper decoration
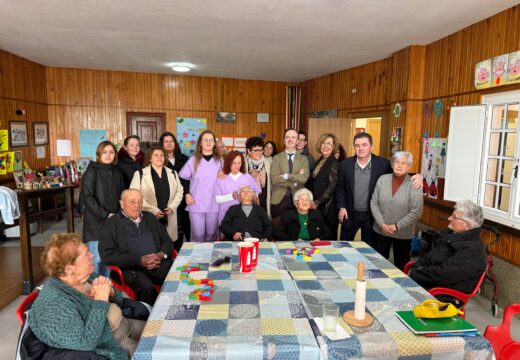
433	165
483	74
513	68
9	161
437	107
188	131
427	108
4	140
499	72
397	110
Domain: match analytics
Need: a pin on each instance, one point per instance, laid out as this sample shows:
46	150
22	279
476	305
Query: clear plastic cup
330	316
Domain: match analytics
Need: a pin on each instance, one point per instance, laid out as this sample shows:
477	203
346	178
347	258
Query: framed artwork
41	133
228	117
262	117
18	133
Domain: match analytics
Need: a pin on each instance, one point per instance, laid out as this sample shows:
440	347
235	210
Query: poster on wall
18	161
188	131
9	157
499	73
434	151
513	68
88	142
4	140
483	74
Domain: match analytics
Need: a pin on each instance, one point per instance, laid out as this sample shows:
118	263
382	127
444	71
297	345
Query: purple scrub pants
204	226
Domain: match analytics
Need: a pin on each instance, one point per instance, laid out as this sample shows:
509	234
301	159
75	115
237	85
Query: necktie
290	163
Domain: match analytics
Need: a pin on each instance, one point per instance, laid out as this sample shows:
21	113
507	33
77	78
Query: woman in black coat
302	223
322	182
101	188
130	159
176	160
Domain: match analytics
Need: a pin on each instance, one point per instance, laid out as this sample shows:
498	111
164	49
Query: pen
469	333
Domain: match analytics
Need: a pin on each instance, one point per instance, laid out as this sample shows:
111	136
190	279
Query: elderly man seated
458	257
246	219
135	241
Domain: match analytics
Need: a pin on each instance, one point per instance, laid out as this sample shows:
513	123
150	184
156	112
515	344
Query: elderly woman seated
302	223
458	257
246	219
77	309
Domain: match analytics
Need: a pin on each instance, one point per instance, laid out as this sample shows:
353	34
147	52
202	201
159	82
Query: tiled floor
477	312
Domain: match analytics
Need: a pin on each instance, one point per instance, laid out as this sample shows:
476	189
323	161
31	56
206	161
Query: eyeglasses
208	140
302	140
327	143
455	218
257	150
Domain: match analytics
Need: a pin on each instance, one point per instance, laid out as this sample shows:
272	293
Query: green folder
428	326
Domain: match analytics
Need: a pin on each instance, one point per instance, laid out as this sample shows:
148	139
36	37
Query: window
483	144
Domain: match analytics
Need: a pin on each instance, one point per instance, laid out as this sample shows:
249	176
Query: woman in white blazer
161	188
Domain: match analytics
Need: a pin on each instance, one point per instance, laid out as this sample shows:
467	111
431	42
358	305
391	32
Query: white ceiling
286	40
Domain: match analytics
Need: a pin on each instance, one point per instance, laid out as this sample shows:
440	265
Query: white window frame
467	159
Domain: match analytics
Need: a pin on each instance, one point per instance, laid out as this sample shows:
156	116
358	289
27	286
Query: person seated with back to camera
135	241
246	219
302	223
458	257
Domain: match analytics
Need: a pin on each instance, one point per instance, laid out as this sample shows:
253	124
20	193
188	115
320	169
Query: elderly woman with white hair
302	223
396	206
458	256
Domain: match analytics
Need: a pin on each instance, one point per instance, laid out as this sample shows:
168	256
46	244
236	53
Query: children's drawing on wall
433	164
513	68
396	139
188	131
483	74
499	74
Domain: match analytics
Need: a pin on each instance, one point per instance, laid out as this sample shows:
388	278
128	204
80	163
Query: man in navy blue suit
357	178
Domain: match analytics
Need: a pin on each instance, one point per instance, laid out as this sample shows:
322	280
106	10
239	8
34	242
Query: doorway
148	126
371	125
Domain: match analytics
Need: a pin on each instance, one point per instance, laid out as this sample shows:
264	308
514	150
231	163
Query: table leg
69	203
25	246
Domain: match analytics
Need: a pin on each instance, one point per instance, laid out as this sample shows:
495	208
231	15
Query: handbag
134	309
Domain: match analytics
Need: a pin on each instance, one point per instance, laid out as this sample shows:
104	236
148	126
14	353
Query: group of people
138	208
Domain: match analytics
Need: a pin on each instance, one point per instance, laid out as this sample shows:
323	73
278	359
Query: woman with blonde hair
202	170
322	182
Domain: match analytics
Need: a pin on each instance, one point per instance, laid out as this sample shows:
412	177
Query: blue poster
188	131
88	142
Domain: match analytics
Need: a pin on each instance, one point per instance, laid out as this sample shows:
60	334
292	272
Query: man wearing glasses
302	148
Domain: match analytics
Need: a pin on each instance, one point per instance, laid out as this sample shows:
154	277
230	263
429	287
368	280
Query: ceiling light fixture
181	67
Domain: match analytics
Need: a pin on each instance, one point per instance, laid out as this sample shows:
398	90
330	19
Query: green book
428	326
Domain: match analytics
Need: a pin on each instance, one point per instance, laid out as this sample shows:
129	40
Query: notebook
428	326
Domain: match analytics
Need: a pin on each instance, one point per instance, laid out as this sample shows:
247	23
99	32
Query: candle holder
358	317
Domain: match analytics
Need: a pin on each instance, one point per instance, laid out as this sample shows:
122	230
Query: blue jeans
98	267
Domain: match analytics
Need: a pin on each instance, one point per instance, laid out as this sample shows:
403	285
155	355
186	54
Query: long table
268	313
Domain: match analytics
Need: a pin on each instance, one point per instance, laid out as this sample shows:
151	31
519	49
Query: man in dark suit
357	178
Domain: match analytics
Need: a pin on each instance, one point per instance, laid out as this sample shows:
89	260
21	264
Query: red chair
504	346
20	310
460	296
120	284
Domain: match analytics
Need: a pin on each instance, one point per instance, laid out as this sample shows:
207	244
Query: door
148	126
374	129
343	128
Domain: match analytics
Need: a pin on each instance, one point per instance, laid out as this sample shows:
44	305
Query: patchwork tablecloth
331	276
257	315
267	314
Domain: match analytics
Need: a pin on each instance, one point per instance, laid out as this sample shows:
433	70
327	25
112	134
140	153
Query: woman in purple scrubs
201	170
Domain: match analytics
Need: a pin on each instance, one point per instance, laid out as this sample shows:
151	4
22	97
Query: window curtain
293	101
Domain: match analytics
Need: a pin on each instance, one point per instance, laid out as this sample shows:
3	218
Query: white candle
359	305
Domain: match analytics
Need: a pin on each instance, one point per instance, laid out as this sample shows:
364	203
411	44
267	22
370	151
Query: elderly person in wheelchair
458	257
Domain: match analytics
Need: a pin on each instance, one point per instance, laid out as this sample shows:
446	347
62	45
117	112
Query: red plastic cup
245	256
256	242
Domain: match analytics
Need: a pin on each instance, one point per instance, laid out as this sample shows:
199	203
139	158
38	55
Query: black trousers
143	281
402	247
356	221
284	205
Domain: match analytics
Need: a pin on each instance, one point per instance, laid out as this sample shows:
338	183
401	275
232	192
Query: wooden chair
504	346
119	282
460	296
